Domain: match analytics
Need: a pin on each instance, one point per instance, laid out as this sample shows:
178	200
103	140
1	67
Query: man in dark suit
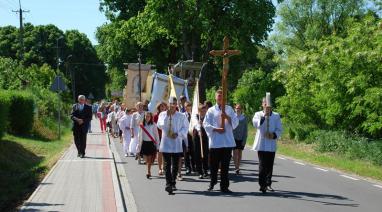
81	116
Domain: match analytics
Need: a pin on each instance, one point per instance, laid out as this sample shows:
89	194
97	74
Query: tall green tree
302	21
87	69
186	29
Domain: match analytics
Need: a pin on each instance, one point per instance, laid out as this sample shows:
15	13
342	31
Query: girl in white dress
124	125
136	120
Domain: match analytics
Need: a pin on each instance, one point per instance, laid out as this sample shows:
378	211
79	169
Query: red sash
147	133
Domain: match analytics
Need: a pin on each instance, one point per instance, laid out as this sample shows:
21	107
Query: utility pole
140	80
21	32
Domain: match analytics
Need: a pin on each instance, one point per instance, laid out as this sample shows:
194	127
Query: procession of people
168	137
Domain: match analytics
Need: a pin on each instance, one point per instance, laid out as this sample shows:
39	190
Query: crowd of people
205	147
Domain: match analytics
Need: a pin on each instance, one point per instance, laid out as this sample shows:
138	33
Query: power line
21	31
5	6
11	3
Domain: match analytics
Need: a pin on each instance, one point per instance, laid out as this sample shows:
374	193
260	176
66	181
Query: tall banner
195	108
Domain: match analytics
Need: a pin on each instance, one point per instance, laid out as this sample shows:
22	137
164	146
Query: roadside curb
119	199
123	183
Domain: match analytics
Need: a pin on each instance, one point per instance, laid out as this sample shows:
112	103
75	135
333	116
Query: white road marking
324	170
281	158
352	178
299	163
378	186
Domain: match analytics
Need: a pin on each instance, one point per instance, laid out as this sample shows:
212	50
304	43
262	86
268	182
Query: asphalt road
298	187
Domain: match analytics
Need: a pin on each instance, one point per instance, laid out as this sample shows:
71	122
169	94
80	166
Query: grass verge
23	164
307	153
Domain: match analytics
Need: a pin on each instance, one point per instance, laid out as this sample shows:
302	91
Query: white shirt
261	142
198	125
179	125
110	117
213	120
120	114
136	120
153	130
124	124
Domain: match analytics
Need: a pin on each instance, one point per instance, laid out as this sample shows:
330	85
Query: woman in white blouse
148	141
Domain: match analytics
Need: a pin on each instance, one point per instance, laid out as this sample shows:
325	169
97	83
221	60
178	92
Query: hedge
21	112
4	109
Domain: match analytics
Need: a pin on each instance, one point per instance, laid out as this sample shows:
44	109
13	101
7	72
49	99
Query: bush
4	110
347	145
21	112
336	83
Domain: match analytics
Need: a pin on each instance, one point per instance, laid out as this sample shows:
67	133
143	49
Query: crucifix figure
225	53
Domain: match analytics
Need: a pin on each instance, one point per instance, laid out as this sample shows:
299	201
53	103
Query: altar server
269	129
174	126
125	126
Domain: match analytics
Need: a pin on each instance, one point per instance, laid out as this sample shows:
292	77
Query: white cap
172	100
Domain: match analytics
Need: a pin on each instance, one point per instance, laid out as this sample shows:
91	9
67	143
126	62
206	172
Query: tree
257	81
121	9
186	29
84	64
305	20
337	83
40	52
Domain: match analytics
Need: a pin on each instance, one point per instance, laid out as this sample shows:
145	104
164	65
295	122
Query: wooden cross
225	53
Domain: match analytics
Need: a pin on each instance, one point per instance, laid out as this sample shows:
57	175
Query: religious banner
161	89
195	107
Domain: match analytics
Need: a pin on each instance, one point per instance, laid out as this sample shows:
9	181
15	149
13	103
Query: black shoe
201	176
237	171
148	176
210	188
205	175
169	190
82	155
174	188
226	190
263	189
188	172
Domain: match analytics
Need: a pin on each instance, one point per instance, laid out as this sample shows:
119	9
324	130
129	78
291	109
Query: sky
82	15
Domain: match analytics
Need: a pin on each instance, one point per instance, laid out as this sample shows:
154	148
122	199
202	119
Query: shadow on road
315	197
303	196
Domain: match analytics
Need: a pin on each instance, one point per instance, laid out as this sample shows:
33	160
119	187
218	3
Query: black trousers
266	160
171	161
201	164
189	160
220	156
80	140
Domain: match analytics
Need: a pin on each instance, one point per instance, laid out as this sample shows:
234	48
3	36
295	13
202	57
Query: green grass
306	153
23	163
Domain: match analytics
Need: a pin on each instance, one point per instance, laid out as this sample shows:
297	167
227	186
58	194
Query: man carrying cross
219	123
221	140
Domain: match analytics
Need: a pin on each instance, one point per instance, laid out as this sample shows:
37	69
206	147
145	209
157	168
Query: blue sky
82	15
